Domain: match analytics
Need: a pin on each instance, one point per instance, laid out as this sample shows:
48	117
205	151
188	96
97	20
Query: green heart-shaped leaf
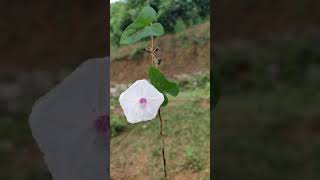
146	16
165	102
142	27
160	82
172	88
133	34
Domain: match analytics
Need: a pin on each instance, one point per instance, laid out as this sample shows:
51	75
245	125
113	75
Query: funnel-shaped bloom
141	101
70	124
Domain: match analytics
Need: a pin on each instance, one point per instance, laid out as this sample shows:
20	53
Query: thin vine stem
154	59
162	145
152	55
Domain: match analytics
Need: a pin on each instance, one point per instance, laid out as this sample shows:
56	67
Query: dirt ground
180	55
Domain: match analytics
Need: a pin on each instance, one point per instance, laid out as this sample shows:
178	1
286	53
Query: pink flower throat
142	101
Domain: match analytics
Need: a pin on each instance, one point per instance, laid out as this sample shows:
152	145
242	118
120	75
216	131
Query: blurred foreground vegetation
267	123
20	157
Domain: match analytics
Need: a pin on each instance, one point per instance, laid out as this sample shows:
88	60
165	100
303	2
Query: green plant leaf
172	89
159	81
133	34
146	16
142	27
165	102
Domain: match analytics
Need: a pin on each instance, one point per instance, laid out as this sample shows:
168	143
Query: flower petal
135	111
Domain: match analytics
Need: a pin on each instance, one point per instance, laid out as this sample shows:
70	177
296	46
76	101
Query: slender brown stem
152	53
152	43
162	145
154	59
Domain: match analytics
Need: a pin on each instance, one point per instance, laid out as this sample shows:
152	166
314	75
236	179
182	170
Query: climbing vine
136	107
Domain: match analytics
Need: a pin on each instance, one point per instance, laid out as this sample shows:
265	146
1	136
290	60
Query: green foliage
189	11
159	81
142	27
134	33
162	83
180	26
117	125
120	19
165	102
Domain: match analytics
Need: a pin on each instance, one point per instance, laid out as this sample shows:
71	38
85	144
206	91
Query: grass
135	151
118	125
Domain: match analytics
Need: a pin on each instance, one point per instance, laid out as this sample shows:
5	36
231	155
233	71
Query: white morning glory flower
70	124
141	101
